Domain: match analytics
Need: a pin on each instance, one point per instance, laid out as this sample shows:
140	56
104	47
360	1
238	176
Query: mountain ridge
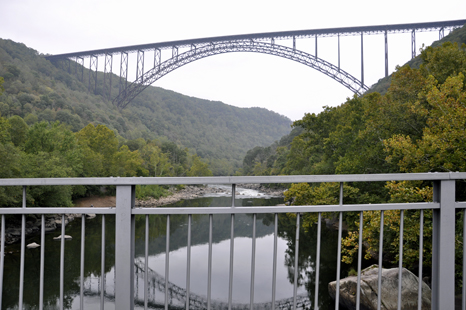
37	90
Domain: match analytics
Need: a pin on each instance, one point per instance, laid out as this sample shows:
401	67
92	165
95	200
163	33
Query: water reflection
178	259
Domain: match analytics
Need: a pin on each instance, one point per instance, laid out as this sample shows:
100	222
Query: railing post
443	246
124	248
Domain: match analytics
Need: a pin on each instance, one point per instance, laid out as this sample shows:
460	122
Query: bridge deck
280	35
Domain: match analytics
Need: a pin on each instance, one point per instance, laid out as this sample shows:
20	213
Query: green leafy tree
199	168
50	151
2	89
129	163
18	130
443	143
436	113
100	146
157	163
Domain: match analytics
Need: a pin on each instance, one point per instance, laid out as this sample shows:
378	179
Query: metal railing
443	225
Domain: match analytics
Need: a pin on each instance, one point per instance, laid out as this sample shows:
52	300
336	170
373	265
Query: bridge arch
222	47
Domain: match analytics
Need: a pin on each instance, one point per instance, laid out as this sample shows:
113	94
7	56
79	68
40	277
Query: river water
178	259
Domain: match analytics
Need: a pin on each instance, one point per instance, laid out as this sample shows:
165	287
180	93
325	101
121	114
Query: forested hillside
353	137
417	125
37	90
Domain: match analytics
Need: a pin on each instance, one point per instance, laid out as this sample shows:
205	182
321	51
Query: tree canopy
417	125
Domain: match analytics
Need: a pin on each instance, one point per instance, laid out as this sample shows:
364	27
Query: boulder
32	245
66	237
369	290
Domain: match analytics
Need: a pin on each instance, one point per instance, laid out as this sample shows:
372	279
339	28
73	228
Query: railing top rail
267	35
235	179
231	209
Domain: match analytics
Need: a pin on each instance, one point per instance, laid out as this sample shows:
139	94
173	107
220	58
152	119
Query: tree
2	89
59	142
435	99
100	146
157	163
129	163
443	143
18	130
199	168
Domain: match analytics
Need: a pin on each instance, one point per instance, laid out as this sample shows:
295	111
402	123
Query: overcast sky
239	79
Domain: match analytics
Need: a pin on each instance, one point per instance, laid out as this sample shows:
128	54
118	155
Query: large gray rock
369	290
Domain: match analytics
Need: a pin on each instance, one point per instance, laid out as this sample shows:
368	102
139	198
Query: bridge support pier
157	58
123	72
362	59
124	240
140	65
93	74
108	63
386	53
80	62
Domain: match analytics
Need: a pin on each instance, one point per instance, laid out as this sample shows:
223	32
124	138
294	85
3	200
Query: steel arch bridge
195	49
196	53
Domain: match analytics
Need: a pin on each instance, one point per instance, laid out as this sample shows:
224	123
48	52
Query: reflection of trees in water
308	255
72	271
200	225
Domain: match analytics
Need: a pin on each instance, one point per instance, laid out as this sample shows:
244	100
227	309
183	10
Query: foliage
52	150
154	191
38	90
418	125
2	89
199	168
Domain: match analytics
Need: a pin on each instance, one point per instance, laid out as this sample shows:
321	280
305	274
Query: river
178	258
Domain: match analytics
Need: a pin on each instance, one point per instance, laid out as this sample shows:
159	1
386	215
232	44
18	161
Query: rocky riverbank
53	222
191	192
33	225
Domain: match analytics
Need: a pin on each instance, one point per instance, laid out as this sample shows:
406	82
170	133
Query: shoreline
54	222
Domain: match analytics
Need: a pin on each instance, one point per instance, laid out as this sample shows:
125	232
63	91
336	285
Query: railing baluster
340	224
146	266
2	257
23	247
421	249
81	278
167	261
337	295
400	260
379	285
62	262
274	268
42	262
102	265
358	289
296	261
319	232
209	264
463	299
188	262
232	249
253	261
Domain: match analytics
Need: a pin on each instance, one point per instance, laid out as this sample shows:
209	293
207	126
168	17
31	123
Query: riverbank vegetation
52	150
416	125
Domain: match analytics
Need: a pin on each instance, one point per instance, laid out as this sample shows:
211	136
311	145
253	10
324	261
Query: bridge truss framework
258	42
